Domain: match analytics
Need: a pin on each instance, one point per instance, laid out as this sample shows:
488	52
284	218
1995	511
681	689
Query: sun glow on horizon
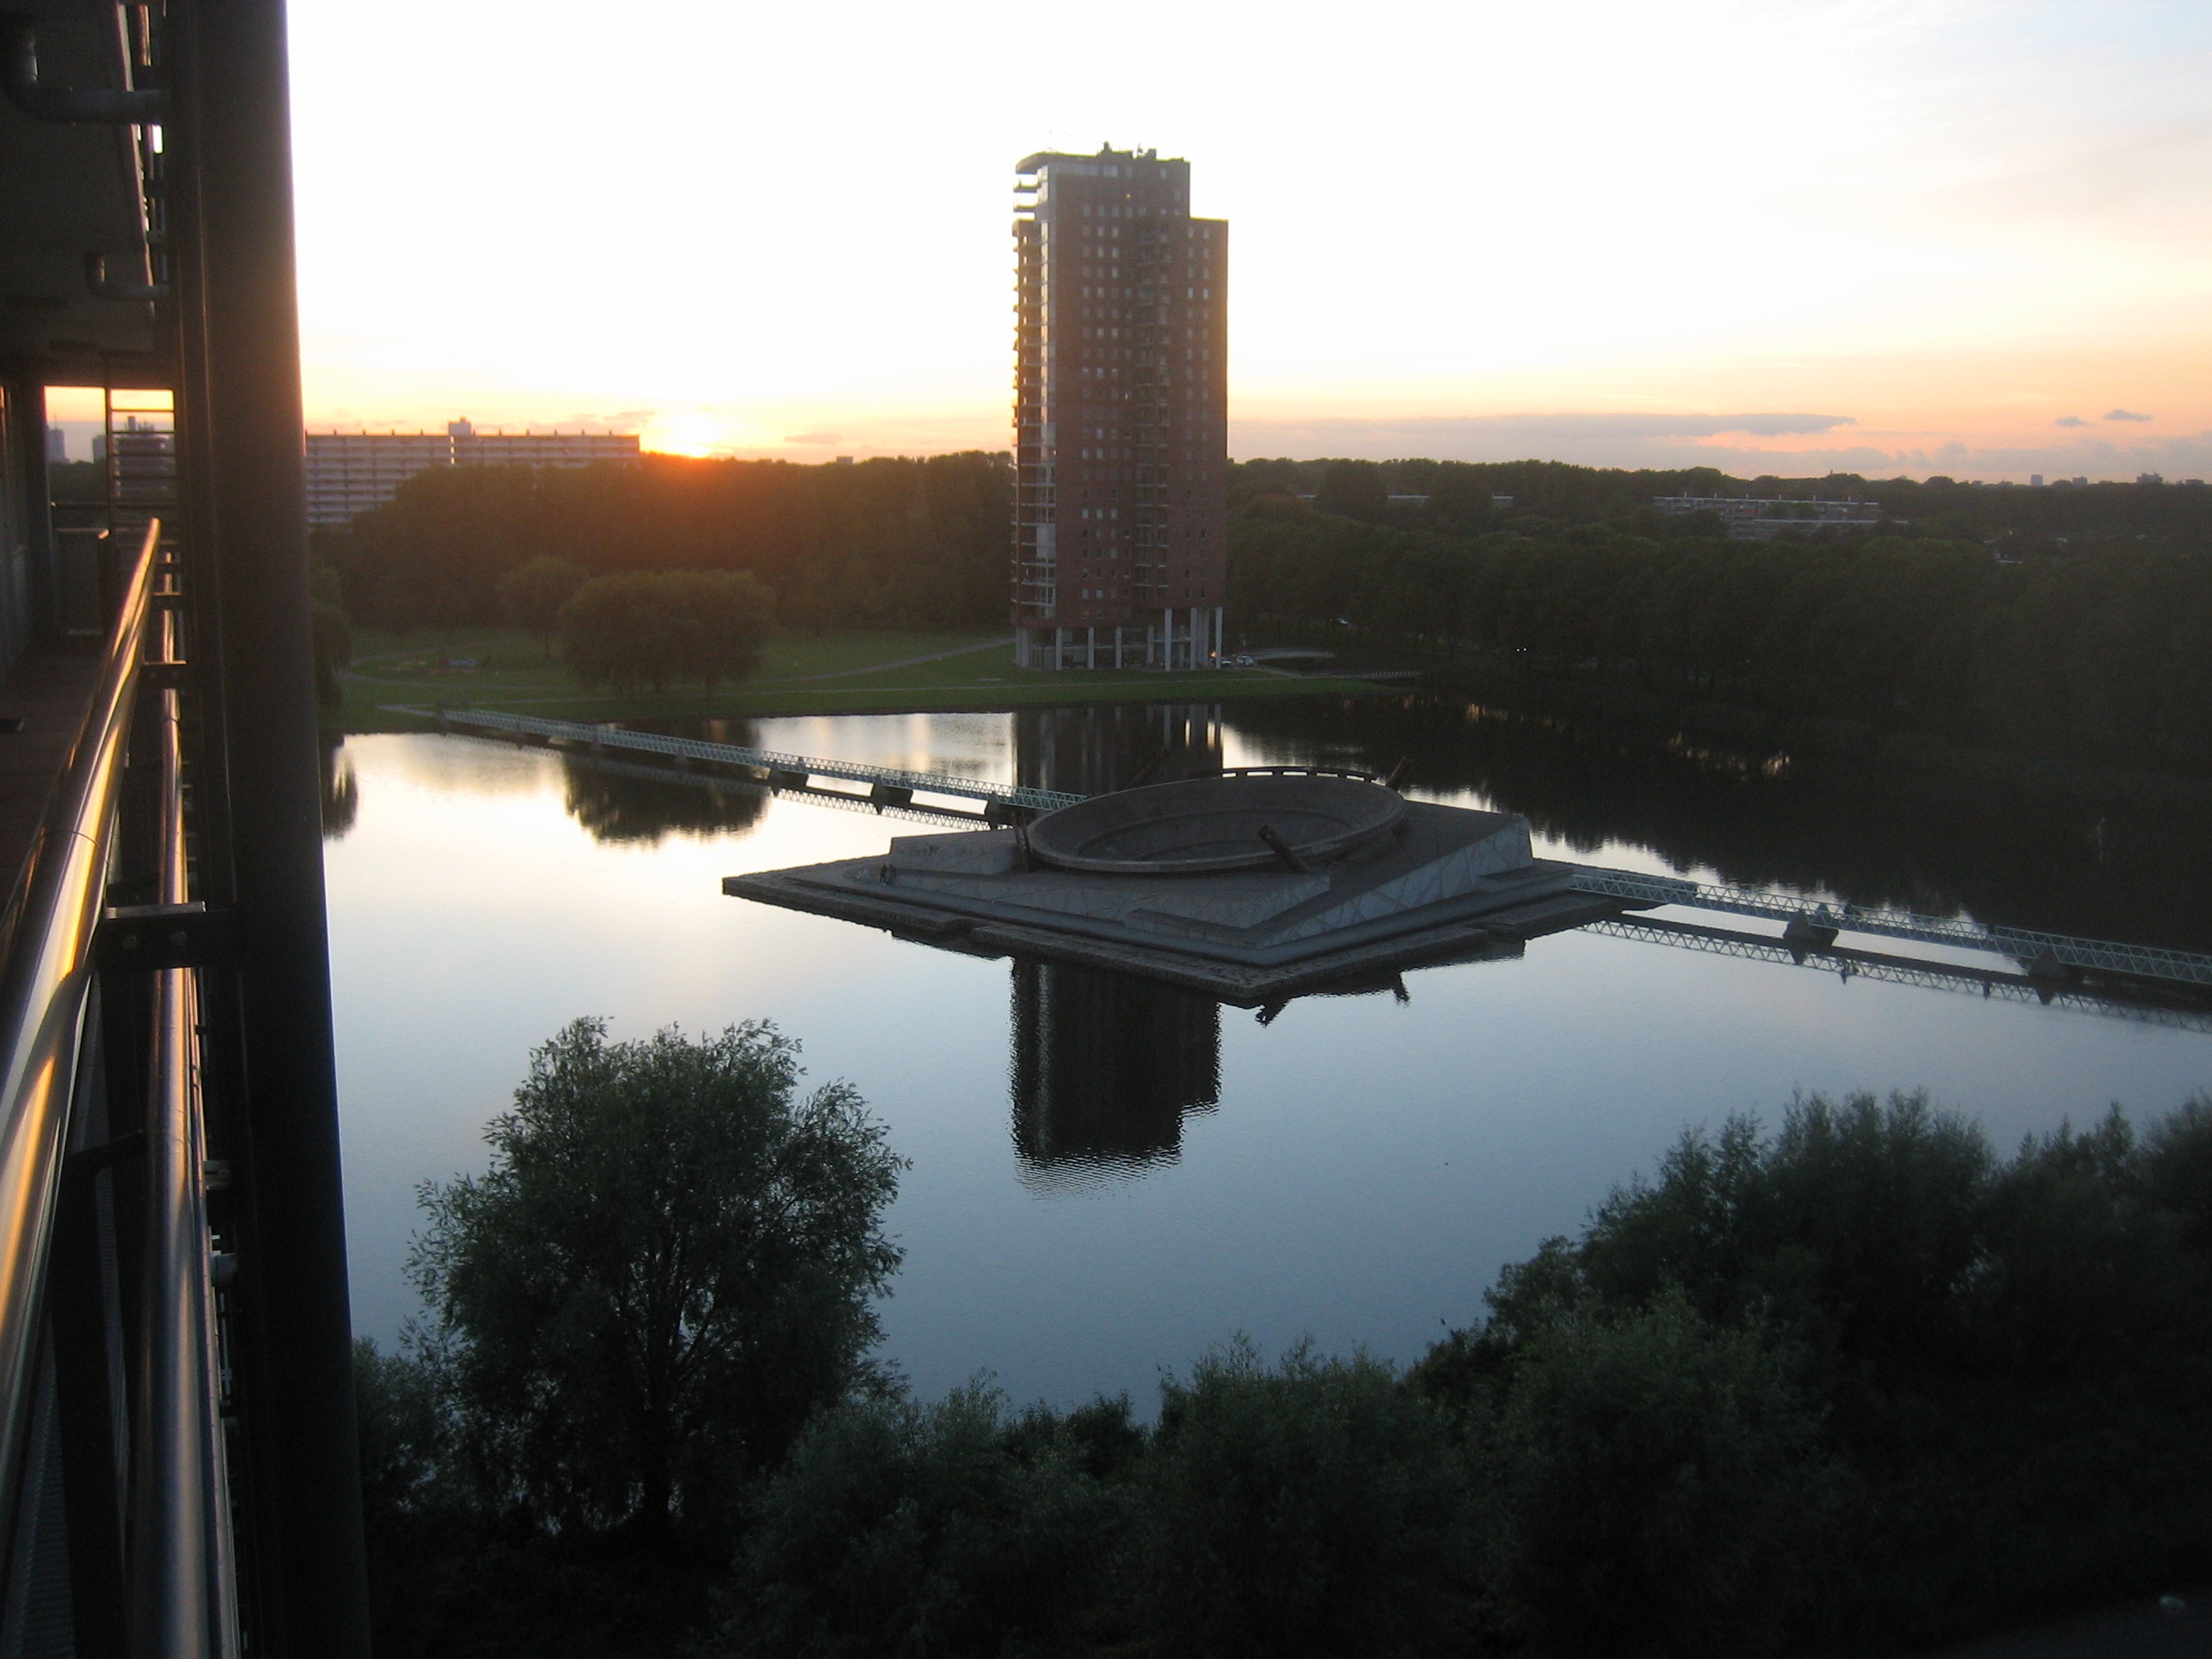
695	434
1956	227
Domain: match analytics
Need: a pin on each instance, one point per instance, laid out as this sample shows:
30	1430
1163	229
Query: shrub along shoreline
1851	1386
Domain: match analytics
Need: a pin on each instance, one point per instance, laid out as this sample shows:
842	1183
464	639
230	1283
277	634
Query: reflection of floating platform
1416	884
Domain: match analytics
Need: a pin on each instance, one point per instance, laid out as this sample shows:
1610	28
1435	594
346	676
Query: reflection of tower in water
1105	1066
1091	750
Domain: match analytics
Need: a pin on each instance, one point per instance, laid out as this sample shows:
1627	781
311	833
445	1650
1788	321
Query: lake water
1108	1176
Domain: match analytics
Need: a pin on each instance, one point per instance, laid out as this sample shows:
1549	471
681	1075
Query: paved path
877	668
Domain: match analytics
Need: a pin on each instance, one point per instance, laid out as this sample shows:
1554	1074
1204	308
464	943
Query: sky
1789	236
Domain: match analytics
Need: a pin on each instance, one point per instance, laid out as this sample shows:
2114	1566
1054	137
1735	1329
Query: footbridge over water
887	786
1815	924
1810	924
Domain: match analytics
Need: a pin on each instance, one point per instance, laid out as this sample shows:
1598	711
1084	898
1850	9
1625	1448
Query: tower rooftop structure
1120	415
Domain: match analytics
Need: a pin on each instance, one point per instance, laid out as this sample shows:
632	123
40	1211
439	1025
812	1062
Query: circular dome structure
1214	824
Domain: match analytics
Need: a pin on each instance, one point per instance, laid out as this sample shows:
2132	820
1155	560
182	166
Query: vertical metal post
44	614
294	1372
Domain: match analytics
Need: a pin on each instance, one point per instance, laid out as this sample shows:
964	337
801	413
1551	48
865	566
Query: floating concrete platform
1376	889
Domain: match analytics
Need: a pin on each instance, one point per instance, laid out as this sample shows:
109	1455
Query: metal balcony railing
154	1573
51	921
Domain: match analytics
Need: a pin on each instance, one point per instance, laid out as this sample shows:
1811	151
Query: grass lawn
835	673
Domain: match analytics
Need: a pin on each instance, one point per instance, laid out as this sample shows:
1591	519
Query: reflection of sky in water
958	745
1369	1163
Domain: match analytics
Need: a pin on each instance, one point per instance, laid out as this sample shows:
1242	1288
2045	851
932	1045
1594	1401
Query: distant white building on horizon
1763	517
349	473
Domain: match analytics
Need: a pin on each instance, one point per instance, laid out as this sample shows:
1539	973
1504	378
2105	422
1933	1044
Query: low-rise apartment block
349	473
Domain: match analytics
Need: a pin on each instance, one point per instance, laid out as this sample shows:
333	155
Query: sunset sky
1790	236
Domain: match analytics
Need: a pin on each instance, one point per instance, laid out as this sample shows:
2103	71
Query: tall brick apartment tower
1121	517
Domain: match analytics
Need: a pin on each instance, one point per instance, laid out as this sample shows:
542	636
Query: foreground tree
670	1262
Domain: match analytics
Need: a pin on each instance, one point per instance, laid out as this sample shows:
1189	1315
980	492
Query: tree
652	627
531	595
722	617
333	632
1355	489
670	1263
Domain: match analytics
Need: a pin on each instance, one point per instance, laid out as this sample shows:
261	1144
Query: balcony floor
49	690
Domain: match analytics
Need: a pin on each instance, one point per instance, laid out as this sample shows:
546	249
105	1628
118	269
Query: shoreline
832	672
1814	749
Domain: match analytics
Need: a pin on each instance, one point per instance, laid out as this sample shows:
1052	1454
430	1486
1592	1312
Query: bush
923	1530
2176	1162
1858	1225
1316	1506
1661	1484
2010	1362
417	1518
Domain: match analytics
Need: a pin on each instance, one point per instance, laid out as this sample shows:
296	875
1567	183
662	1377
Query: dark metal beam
309	1594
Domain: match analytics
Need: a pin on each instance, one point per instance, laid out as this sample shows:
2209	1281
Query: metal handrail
47	970
183	1599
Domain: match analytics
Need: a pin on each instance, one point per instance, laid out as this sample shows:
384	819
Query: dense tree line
878	543
924	543
2074	619
1538	496
2107	656
1849	1386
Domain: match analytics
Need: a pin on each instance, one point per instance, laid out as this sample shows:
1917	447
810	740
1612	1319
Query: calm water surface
1108	1176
